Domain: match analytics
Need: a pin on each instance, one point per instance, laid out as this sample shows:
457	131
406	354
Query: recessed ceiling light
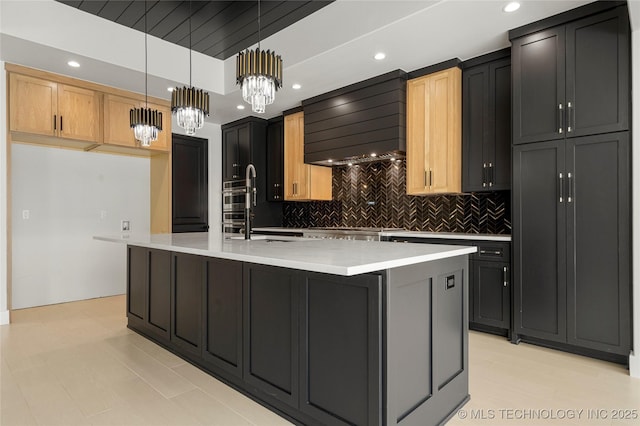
296	86
392	159
73	64
373	154
240	107
170	89
379	56
329	161
511	7
350	164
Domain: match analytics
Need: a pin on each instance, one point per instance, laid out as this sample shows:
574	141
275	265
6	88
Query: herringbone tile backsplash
373	195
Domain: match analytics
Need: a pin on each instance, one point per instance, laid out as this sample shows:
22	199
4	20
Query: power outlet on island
125	226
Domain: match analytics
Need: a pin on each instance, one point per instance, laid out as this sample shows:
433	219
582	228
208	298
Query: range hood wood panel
357	120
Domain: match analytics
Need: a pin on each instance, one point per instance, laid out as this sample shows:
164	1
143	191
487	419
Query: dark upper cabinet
572	80
190	187
486	123
244	142
571	241
275	159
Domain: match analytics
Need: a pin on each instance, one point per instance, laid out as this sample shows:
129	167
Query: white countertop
447	235
340	257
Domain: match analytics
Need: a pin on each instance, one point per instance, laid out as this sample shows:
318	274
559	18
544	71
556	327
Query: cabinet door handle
570	183
569	109
561	188
430	178
560	118
496	252
60	123
55	122
505	278
490	174
484	175
425	178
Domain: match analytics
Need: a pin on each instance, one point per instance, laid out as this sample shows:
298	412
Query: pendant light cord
146	101
259	25
190	51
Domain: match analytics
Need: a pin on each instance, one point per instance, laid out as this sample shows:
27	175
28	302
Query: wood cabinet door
80	113
117	122
295	171
417	137
539	240
444	143
33	105
598	224
538	63
598	74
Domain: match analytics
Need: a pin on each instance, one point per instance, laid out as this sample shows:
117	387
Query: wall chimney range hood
363	122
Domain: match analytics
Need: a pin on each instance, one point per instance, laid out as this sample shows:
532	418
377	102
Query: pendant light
145	122
189	104
260	75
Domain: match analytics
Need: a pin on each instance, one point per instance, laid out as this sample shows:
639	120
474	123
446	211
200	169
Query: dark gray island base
379	348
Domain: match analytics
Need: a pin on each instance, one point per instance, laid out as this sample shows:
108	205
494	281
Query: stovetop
355	229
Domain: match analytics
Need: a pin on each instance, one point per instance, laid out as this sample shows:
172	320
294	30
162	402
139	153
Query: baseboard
634	365
4	317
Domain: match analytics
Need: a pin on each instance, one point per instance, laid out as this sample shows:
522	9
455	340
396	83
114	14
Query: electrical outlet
25	214
125	225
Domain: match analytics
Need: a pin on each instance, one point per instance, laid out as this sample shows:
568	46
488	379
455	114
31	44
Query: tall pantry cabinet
571	183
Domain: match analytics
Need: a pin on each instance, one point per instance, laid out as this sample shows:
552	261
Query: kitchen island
320	331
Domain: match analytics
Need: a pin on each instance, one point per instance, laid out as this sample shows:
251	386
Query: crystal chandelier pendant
146	123
259	91
191	106
145	134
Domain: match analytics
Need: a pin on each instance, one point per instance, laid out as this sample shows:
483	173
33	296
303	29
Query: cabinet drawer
498	252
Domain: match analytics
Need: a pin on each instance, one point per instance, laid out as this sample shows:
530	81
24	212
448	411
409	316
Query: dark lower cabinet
491	299
571	242
187	288
222	346
148	292
340	325
271	331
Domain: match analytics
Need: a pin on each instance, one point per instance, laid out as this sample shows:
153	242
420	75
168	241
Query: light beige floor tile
135	391
16	414
90	394
208	410
160	377
122	415
239	403
166	413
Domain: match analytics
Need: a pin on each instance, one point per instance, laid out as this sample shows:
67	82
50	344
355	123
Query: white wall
60	199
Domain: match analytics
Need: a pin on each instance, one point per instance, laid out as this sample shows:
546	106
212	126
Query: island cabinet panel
341	349
148	303
426	364
271	331
223	315
189	275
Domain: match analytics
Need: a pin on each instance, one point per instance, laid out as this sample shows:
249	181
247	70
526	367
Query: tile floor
78	364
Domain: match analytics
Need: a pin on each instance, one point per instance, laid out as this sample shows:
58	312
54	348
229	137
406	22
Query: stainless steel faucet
251	193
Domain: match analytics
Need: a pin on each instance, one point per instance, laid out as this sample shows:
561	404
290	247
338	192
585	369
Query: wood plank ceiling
219	28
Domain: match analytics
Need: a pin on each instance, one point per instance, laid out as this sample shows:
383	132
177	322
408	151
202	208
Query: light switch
25	214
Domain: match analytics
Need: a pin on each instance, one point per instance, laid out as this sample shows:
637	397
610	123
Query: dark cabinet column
539	240
223	319
137	283
275	159
475	122
341	366
271	331
187	287
498	148
598	74
598	284
190	184
538	63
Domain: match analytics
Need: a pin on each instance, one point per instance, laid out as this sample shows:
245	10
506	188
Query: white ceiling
329	49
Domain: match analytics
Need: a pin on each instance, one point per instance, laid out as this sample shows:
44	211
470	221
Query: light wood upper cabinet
302	181
117	130
43	107
434	129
